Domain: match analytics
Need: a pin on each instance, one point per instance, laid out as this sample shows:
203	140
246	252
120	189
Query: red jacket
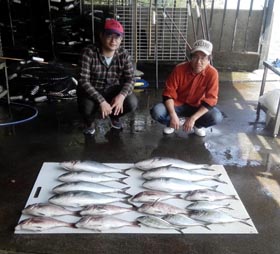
186	87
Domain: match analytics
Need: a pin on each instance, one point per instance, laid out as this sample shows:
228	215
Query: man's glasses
115	37
202	59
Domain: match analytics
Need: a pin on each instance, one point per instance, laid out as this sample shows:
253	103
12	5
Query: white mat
47	180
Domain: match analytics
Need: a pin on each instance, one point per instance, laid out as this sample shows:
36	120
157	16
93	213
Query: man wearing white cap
191	94
106	79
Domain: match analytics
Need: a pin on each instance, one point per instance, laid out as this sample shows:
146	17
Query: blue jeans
212	117
89	107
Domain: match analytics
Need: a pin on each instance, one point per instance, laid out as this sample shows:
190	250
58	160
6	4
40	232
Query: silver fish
179	173
82	198
159	208
156	162
152	196
46	209
183	220
100	224
90	166
87	186
215	217
102	210
173	185
207	205
208	195
156	222
41	224
88	177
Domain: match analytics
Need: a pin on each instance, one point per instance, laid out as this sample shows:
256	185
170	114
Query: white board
47	180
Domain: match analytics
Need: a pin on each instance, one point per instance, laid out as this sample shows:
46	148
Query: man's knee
131	103
217	116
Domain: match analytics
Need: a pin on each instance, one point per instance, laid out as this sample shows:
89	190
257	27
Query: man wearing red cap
106	79
191	94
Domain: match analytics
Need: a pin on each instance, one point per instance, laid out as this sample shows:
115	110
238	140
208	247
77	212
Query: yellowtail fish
156	162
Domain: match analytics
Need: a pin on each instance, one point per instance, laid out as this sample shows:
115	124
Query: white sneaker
168	130
201	132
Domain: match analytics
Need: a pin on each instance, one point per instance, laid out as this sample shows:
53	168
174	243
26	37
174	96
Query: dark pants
212	117
89	107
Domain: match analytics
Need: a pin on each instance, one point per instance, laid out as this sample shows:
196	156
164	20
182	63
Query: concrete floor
247	150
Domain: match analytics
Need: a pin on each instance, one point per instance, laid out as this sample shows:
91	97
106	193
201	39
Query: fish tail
227	206
125	189
72	225
121	180
244	221
76	213
207	167
206	226
126	169
179	196
135	224
219	180
124	173
180	230
126	201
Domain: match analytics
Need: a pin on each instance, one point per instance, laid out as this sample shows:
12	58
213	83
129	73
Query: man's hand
106	109
174	121
189	124
117	104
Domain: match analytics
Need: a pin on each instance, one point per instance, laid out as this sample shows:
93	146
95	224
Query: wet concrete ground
247	150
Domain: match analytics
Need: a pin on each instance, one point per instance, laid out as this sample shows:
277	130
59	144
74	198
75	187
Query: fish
152	196
159	208
87	186
179	173
156	222
173	185
156	162
102	210
41	224
101	223
88	177
216	217
47	210
82	198
183	220
90	166
207	205
208	195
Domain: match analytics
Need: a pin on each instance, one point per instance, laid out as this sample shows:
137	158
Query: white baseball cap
204	46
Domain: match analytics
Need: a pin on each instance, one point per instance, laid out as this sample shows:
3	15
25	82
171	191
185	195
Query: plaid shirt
96	76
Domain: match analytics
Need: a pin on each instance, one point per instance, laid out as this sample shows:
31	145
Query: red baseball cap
113	26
